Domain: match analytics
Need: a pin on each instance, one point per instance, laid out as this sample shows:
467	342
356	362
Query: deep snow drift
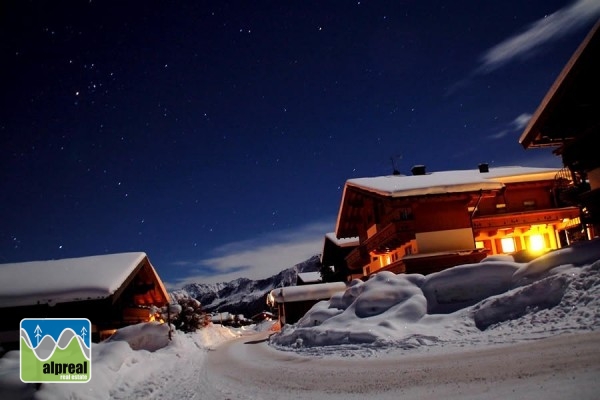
497	301
558	291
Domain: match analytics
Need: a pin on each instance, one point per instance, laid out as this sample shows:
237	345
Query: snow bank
407	310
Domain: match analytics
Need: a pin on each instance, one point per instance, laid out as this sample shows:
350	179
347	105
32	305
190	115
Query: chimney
484	167
418	170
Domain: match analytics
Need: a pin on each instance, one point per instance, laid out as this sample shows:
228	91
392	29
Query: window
508	245
536	243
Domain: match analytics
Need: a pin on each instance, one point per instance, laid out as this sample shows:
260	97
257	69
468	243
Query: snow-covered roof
451	181
310	277
342	242
61	281
318	291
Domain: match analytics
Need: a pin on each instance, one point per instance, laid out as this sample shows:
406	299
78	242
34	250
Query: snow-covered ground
492	330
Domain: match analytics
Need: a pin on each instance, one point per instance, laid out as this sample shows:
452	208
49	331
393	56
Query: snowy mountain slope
243	295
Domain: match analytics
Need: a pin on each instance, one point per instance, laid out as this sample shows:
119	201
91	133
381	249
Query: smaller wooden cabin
334	256
292	302
112	291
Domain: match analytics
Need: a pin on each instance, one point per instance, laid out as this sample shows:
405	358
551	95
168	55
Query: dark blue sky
217	136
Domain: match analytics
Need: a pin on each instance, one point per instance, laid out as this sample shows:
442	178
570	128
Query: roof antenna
394	168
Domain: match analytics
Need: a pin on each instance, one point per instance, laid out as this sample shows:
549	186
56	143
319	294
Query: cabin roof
342	242
66	280
433	183
450	181
570	107
318	291
309	277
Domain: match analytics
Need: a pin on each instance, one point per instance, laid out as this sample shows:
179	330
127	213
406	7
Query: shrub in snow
190	316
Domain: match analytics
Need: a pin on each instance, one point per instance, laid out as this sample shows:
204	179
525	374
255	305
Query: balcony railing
390	237
497	221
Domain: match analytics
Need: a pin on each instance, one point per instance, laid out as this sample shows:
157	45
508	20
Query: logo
56	350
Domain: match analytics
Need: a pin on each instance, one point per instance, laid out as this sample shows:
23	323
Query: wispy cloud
545	30
539	158
517	124
257	258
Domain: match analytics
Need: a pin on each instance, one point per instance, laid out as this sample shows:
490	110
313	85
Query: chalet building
112	291
334	255
427	222
292	302
568	120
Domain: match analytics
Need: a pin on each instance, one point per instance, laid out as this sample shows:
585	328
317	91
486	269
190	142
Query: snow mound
411	310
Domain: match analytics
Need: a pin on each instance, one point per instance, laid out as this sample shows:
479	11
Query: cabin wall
518	198
100	313
441	215
291	312
446	240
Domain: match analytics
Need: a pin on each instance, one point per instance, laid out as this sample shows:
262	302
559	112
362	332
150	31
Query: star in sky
228	129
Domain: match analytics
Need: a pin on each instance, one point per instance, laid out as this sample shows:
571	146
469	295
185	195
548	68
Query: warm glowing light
508	245
479	244
155	317
536	243
271	299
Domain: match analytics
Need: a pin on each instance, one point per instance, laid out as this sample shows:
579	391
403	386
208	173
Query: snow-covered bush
190	316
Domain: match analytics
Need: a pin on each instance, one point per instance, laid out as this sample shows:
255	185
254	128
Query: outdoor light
508	245
536	243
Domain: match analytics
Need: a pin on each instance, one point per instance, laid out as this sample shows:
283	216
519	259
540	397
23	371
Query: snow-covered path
566	366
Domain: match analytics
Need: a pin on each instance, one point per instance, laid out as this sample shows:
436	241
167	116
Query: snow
310	277
317	291
450	181
491	330
342	242
71	279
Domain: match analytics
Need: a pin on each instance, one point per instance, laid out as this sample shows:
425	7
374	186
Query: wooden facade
334	255
425	229
129	304
568	120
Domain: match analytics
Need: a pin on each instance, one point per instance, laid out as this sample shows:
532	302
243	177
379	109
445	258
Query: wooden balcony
429	263
390	237
358	258
512	220
434	262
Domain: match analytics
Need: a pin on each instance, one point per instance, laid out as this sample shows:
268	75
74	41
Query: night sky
216	136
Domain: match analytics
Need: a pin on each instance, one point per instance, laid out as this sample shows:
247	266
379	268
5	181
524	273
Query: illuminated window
508	245
536	243
384	260
479	245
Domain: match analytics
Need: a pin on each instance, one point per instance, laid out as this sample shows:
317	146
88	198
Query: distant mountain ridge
243	295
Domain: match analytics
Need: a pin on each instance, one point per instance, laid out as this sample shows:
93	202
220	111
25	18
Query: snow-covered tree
191	316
